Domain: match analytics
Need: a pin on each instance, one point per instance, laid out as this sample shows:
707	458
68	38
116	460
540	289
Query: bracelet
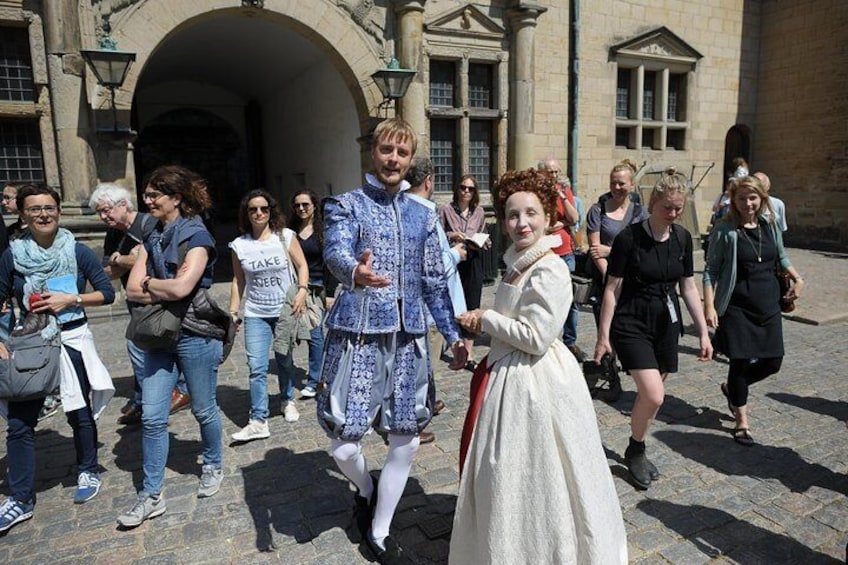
145	284
303	287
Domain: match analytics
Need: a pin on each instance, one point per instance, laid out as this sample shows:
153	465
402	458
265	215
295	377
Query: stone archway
292	79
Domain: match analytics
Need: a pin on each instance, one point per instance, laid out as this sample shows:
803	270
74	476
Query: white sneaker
253	430
290	411
308	392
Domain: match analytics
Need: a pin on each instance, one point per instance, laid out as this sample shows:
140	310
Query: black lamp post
393	82
110	66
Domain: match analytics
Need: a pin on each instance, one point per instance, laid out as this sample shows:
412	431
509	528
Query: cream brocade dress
536	487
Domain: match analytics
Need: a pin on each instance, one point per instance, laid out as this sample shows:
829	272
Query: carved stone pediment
660	43
468	20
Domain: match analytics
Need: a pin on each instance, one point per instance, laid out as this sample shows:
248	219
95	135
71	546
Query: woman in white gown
536	487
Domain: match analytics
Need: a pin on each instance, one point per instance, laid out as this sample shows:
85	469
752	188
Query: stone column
410	43
65	68
521	139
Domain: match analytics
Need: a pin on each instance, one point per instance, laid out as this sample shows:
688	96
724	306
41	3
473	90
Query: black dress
646	323
752	326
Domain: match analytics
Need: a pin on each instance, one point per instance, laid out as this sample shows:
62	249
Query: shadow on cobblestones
733	537
833	408
760	461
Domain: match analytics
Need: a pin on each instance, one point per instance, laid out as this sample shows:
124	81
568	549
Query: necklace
758	251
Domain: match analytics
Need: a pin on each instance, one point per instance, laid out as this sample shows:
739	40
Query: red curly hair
540	183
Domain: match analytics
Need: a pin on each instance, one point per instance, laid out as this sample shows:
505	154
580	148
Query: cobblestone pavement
283	501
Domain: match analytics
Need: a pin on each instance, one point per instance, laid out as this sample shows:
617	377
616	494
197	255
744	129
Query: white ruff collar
518	261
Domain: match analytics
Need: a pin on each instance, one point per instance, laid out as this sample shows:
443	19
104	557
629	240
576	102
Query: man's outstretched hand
363	275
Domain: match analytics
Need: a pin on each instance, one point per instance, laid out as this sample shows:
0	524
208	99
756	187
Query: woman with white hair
127	231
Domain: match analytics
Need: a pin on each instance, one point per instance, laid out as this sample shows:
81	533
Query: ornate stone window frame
466	36
653	72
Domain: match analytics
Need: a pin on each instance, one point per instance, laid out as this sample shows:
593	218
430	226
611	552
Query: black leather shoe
653	471
391	555
638	465
363	513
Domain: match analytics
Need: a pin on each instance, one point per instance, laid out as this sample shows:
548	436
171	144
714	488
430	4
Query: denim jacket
404	244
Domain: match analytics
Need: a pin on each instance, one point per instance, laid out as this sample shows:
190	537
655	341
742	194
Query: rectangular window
480	152
674	139
622	94
622	137
20	152
443	153
648	136
442	83
480	93
16	84
676	98
649	88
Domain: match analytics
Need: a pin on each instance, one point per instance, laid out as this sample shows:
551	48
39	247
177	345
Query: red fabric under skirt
478	391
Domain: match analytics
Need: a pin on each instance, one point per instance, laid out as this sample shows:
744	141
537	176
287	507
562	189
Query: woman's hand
299	306
706	352
471	321
602	347
599	251
711	316
4	353
54	302
797	288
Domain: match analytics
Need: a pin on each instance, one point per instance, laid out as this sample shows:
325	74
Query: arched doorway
250	102
737	143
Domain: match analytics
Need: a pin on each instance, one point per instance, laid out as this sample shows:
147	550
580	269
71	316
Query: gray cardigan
720	271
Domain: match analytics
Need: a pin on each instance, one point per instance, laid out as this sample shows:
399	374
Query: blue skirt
383	381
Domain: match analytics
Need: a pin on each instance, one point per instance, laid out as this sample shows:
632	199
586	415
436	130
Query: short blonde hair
396	129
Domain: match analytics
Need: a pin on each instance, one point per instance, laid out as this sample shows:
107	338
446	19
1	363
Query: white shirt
267	273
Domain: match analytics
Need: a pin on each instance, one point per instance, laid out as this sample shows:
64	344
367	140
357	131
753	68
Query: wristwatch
78	300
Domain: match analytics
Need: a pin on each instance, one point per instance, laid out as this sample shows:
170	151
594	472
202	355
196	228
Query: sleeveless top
267	274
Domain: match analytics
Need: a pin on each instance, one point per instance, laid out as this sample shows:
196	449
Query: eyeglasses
466	188
303	205
105	211
6	198
255	209
38	210
151	196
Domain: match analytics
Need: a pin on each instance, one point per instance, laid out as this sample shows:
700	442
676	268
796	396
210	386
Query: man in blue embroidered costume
385	250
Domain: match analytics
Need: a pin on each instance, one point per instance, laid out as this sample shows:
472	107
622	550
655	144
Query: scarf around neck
38	265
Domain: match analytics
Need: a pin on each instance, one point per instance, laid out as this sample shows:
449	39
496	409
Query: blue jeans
198	359
258	336
137	362
316	355
569	330
20	439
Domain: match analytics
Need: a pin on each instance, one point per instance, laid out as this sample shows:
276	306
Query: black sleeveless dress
752	326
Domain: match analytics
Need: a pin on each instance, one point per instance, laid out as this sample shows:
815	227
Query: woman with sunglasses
176	261
262	276
462	219
308	224
48	271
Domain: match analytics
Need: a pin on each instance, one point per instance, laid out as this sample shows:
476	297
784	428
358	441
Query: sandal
727	397
471	366
742	437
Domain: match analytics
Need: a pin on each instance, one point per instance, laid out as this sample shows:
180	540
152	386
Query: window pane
20	152
480	151
622	137
442	83
676	98
648	90
480	85
443	153
648	138
675	138
622	94
15	66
